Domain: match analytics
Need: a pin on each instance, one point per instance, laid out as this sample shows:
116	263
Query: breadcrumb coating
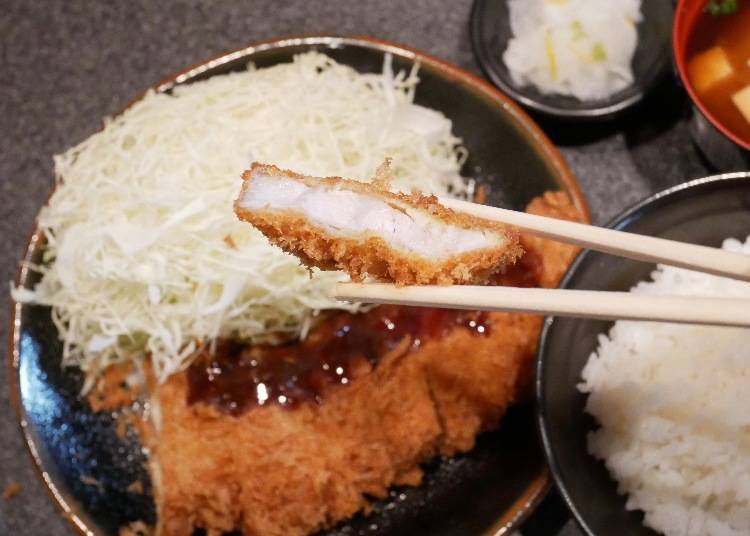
273	471
368	253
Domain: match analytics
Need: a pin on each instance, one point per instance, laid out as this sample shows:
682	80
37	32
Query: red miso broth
718	67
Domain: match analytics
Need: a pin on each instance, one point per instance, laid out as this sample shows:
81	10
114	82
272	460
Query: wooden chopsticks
560	302
633	246
581	303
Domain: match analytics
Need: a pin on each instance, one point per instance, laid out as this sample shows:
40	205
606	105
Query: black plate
88	468
490	32
705	211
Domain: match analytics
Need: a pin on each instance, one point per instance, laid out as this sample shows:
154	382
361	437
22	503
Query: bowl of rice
645	425
573	59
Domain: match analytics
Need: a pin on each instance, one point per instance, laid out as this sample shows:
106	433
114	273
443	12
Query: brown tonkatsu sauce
235	377
526	272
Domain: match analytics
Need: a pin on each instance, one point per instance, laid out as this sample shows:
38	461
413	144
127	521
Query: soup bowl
722	147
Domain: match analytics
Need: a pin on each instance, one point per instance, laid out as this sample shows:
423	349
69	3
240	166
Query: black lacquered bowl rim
604	110
619	222
525	504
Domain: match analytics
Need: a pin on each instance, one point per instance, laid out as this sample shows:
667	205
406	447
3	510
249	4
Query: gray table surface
66	64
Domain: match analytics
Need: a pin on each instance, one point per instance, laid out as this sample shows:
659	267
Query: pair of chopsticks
581	303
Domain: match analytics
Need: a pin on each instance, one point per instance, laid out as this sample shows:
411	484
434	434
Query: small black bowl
705	211
490	32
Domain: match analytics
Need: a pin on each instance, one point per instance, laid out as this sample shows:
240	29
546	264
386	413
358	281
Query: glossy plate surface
704	212
490	32
88	468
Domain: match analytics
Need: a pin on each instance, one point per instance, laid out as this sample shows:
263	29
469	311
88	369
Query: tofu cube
709	67
741	100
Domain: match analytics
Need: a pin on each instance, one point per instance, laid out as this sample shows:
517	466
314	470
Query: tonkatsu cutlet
229	453
366	230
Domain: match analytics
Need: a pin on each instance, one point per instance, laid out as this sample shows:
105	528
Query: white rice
581	48
673	402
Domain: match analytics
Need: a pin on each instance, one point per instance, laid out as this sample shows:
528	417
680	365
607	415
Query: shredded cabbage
144	255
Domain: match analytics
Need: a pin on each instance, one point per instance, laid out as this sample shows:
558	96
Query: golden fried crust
273	471
467	403
372	255
474	379
111	390
556	256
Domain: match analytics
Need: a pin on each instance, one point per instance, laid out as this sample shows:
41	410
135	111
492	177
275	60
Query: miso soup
718	67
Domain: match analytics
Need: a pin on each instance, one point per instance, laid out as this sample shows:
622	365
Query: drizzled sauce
235	377
526	272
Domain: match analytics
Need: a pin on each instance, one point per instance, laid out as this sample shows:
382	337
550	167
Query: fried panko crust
555	256
274	471
371	254
112	390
